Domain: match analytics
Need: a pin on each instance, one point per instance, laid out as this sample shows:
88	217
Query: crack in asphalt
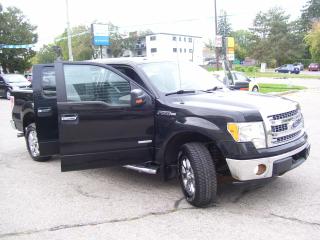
89	195
295	220
68	226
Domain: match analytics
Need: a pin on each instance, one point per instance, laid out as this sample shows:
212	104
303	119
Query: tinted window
153	50
49	82
93	83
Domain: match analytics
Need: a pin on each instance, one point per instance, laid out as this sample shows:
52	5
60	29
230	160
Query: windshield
170	76
15	78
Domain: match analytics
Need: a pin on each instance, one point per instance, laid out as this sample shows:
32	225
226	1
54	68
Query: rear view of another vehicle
299	65
11	82
314	67
288	68
237	81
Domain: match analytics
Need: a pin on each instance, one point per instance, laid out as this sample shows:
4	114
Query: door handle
44	111
69	117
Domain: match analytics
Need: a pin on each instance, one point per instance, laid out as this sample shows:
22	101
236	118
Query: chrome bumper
244	170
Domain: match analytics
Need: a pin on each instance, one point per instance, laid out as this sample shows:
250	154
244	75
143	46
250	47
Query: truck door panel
45	109
98	126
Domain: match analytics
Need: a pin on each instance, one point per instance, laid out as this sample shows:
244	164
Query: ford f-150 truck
158	116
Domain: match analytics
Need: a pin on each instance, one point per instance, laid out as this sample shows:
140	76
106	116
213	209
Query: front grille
288	137
285	115
279	128
285	127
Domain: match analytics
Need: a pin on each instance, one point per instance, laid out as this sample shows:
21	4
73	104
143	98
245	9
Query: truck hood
239	101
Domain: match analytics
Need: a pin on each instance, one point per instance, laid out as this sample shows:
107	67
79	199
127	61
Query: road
39	202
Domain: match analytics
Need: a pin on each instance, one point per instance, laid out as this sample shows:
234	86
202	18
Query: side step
20	134
146	168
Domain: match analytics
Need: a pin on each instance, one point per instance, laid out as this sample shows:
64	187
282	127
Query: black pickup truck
162	117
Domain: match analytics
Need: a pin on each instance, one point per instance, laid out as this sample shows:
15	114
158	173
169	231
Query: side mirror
138	97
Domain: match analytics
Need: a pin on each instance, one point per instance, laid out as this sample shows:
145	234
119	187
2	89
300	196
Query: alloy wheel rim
187	176
33	144
8	95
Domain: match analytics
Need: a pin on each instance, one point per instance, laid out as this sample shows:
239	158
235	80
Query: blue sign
17	46
101	40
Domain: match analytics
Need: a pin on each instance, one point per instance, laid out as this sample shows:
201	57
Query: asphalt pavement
37	201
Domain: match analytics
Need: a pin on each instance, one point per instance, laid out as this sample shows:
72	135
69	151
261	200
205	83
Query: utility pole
69	33
216	28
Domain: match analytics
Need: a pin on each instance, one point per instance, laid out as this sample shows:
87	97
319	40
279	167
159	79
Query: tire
255	89
33	145
8	94
197	174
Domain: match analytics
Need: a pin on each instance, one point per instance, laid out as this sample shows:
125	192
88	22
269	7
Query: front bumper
13	125
244	170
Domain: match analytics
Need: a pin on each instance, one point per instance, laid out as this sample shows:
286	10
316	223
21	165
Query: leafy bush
246	69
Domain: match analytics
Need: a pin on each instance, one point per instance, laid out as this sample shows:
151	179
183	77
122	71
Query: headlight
248	132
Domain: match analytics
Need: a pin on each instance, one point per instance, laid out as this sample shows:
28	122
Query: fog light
260	169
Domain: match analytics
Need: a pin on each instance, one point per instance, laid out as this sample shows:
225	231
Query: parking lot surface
37	201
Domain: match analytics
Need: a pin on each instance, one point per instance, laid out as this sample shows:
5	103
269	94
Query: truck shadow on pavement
229	191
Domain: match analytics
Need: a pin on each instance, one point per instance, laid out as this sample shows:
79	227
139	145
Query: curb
284	93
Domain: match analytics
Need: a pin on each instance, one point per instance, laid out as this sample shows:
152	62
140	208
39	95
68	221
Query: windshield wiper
180	92
213	89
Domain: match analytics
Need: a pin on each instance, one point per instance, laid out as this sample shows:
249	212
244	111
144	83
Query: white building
174	46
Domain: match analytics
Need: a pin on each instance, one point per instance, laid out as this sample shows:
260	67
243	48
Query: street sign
230	49
230	56
230	41
100	34
218	41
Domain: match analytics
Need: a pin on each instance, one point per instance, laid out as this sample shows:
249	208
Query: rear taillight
11	102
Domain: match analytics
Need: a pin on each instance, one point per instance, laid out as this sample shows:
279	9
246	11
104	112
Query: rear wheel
33	144
197	174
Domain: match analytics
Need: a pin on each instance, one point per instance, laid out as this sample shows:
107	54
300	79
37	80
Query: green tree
224	29
313	41
81	43
15	29
310	14
224	26
45	55
275	40
120	43
243	43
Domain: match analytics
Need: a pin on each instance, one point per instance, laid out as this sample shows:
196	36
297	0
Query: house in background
170	46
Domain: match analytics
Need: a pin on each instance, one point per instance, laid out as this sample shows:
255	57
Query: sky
170	16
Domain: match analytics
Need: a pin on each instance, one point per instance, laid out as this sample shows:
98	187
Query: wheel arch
28	118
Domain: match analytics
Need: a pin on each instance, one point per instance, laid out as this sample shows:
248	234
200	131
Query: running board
20	134
143	169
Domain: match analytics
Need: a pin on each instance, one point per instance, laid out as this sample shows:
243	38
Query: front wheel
255	89
8	94
33	144
197	174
